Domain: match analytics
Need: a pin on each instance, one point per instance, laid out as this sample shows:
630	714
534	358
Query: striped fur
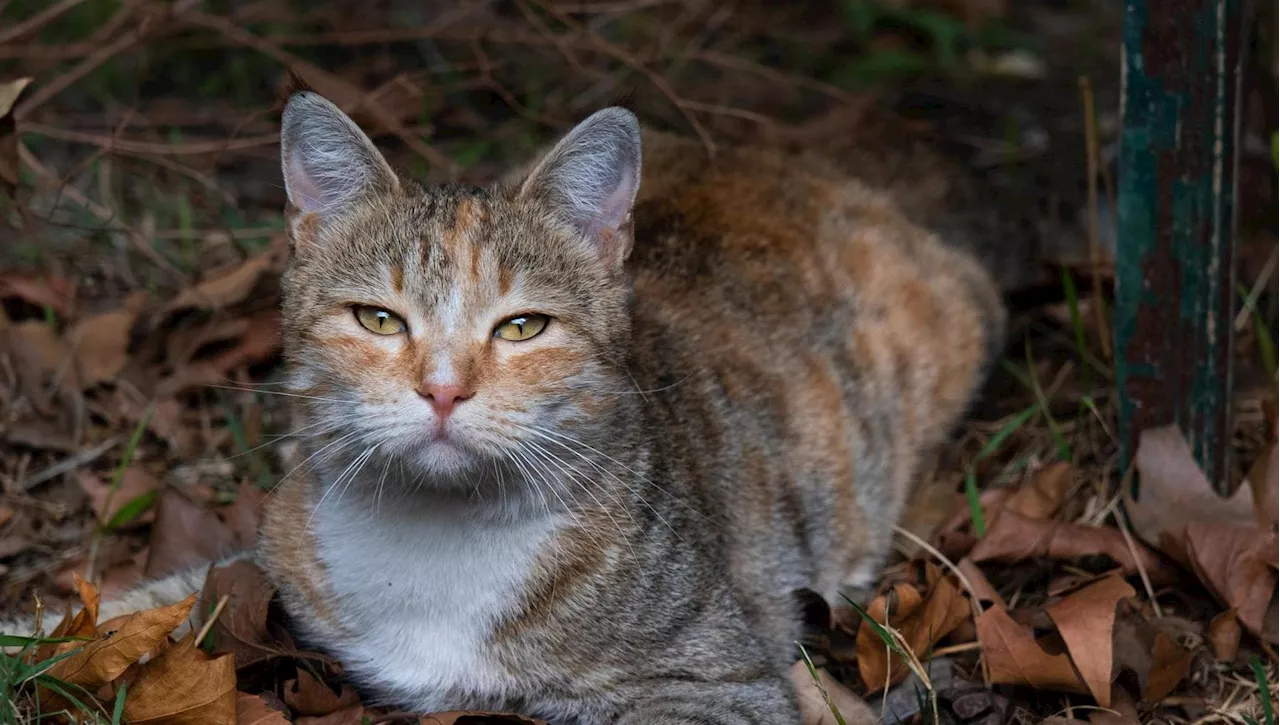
737	386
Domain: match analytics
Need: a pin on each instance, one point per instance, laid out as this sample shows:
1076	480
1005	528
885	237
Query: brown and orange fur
742	372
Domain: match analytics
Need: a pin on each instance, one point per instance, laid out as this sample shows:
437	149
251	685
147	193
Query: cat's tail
156	593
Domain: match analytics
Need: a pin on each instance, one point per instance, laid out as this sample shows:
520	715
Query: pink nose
443	398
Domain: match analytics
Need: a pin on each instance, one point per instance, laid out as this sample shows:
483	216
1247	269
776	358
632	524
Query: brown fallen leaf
1238	564
1169	665
9	172
56	293
353	715
922	620
1224	636
241	629
133	483
227	288
1263	483
1014	537
105	659
184	686
814	709
1040	497
1085	620
255	710
307	695
978	580
100	346
243	514
1174	492
1014	657
253	339
185	535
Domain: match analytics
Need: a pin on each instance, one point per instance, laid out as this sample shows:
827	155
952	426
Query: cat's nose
443	397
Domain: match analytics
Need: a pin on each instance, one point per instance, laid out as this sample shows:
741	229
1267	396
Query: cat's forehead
431	242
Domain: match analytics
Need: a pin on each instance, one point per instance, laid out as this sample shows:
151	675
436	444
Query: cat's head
443	329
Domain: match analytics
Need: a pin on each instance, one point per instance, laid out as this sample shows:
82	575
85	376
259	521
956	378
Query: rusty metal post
1175	268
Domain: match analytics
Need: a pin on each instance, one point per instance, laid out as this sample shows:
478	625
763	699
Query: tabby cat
577	437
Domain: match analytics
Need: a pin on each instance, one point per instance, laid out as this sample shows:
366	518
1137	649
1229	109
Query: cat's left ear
591	178
328	163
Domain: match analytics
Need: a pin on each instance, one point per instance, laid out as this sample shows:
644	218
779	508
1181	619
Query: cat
576	438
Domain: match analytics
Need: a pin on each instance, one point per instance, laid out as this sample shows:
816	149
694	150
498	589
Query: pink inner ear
304	192
613	209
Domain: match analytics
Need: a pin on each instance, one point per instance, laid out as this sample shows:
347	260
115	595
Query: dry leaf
813	706
1014	657
9	92
1013	537
309	696
103	660
353	715
184	686
241	629
1174	492
922	622
39	350
1238	564
1169	664
55	293
133	483
1085	620
978	580
101	346
185	535
1040	497
243	515
1263	484
1224	636
229	288
255	710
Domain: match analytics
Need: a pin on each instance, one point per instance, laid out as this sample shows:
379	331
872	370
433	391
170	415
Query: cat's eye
522	327
379	321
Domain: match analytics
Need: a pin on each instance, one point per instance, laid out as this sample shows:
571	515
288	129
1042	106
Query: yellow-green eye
379	321
522	327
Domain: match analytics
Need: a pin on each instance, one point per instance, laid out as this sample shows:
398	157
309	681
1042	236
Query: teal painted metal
1175	262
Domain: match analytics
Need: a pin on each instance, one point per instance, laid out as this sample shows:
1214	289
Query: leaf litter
1052	604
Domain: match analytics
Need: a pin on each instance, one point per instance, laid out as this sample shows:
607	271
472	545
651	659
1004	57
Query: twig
338	90
1259	285
104	214
630	61
39	20
1128	540
155	148
71	463
974	607
95	59
208	625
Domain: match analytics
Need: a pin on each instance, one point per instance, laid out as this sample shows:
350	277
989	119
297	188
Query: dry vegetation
140	240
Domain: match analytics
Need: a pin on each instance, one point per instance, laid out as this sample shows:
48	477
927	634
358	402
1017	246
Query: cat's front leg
766	701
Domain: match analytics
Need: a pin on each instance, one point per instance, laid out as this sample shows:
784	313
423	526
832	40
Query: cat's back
806	343
762	254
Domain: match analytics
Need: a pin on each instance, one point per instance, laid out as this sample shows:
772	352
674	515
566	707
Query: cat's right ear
327	161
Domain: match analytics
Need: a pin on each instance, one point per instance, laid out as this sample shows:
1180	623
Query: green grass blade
974	499
117	712
1264	690
132	509
13	640
817	682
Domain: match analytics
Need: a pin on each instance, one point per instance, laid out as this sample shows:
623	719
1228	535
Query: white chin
445	458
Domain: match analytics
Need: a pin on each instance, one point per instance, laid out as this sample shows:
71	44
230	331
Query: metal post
1175	268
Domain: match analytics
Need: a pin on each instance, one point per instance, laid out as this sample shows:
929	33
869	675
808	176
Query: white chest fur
423	587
